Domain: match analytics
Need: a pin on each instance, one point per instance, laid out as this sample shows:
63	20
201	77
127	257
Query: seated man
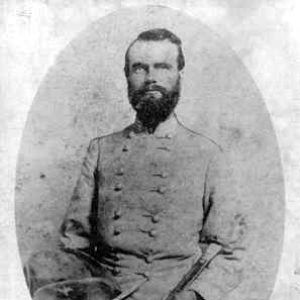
150	201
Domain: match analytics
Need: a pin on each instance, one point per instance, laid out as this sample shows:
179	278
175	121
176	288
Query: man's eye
138	68
163	66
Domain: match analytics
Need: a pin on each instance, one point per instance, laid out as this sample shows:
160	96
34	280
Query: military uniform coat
149	204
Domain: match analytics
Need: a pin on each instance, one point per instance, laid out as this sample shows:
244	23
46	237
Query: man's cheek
137	81
170	82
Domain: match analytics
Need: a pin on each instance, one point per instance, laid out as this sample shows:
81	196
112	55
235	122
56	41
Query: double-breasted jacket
150	203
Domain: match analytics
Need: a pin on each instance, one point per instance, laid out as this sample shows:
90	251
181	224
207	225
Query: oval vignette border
86	89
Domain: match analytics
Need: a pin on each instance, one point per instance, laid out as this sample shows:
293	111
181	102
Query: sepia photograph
149	150
149	168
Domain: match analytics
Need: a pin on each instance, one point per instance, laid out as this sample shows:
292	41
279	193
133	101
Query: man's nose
150	77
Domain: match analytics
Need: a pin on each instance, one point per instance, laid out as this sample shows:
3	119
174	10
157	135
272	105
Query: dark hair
157	34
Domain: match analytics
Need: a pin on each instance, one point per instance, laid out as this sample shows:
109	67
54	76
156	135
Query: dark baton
197	268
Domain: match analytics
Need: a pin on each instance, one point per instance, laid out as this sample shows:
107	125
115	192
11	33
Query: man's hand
73	241
187	295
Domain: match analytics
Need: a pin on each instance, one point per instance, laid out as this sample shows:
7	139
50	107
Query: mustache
140	96
154	88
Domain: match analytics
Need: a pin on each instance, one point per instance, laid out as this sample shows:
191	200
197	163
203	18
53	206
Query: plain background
264	34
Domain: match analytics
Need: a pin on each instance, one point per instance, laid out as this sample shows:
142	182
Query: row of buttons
163	174
117	215
116	269
152	233
160	189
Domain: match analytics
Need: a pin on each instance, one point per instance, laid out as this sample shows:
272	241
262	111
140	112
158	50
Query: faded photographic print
149	168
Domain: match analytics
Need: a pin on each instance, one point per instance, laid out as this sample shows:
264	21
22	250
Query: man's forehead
153	51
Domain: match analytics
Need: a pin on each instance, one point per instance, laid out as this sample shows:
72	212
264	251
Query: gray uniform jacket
149	204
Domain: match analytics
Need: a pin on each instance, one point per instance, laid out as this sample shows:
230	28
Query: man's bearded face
153	80
153	103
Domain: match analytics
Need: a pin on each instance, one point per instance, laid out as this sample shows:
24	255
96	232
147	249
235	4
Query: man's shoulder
114	137
206	147
195	138
200	140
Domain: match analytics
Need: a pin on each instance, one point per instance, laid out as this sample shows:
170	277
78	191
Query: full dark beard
153	104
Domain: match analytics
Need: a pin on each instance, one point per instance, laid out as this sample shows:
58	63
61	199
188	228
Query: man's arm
224	225
76	229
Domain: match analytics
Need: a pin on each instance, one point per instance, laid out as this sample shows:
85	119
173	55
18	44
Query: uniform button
117	214
153	233
117	231
155	219
120	172
147	274
116	271
161	189
125	148
149	259
115	257
131	134
118	187
164	174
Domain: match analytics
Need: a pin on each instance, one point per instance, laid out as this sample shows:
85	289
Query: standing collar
164	129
